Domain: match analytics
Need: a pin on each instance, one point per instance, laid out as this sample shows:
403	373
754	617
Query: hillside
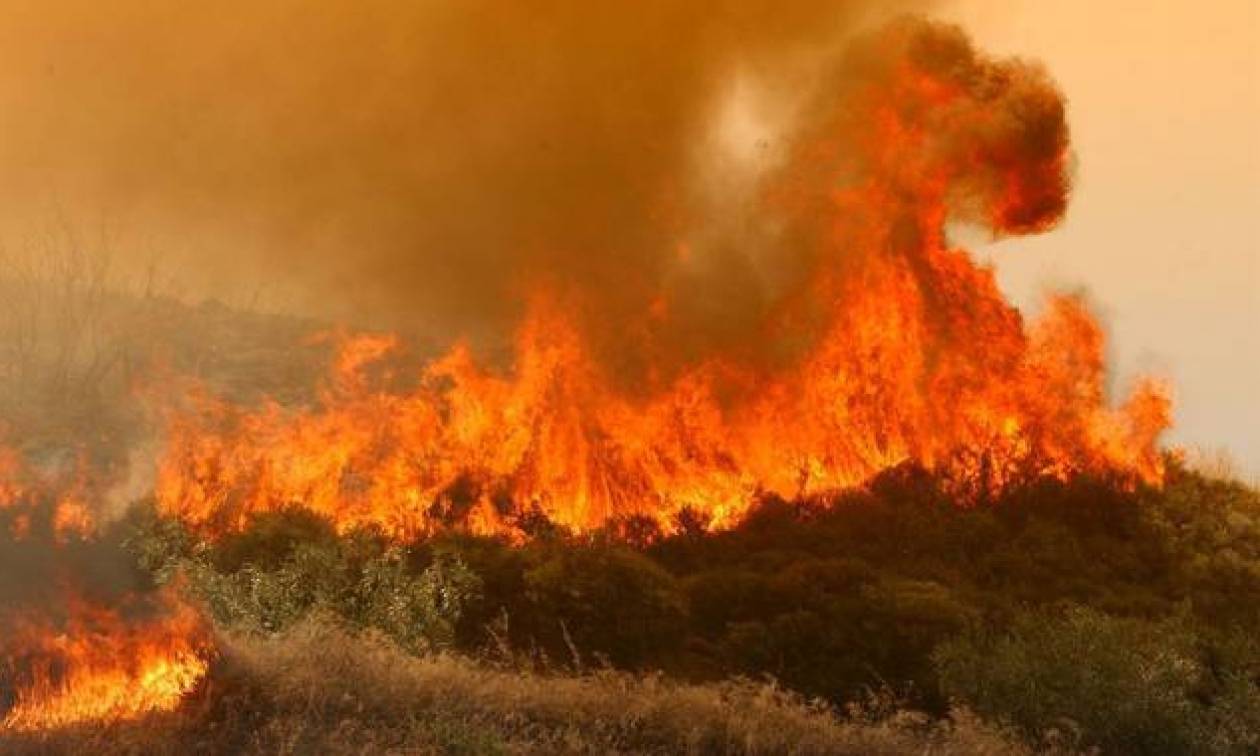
1073	614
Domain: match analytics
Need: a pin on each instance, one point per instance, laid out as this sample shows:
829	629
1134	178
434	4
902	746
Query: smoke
418	164
52	541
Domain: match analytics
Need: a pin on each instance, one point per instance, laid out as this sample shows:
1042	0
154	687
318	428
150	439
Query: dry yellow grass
320	690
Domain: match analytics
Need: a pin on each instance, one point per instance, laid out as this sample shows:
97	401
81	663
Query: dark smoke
410	163
403	164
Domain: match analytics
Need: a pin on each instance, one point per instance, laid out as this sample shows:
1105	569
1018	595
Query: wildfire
903	350
55	504
101	666
885	345
78	659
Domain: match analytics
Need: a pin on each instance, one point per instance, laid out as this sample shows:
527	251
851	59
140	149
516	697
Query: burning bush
100	665
890	347
80	644
842	473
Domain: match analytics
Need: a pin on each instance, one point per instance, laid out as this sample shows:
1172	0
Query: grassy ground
319	689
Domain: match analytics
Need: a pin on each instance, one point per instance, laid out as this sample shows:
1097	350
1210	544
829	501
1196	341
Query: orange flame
83	660
101	666
554	435
59	502
905	351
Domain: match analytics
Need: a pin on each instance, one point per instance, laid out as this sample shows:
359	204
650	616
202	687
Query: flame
100	666
555	436
903	350
897	347
57	502
71	519
85	660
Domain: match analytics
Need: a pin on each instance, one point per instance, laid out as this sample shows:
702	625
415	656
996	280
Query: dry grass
320	690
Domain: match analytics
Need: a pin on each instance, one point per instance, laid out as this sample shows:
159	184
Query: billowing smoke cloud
418	163
801	325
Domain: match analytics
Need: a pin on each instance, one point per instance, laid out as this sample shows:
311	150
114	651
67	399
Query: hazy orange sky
1164	226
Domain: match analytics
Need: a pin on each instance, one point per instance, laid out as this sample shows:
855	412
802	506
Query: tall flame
900	349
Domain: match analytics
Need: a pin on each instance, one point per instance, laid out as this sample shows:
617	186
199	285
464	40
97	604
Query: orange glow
553	434
82	660
11	472
99	666
60	503
909	353
71	519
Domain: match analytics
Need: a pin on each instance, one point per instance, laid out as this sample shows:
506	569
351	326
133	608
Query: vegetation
317	689
1126	685
1121	619
1066	616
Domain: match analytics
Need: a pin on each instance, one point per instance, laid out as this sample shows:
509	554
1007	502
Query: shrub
1129	686
831	601
286	564
609	600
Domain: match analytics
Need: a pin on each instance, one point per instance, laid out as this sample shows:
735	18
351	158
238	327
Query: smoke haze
408	164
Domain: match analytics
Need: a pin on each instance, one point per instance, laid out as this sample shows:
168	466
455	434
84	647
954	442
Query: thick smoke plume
708	243
823	329
421	164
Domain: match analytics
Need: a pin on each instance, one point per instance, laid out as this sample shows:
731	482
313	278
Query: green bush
832	597
609	600
1127	685
286	564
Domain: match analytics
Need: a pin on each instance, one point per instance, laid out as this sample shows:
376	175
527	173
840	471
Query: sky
1163	231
